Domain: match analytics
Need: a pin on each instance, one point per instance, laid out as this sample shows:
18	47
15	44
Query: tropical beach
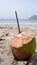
18	32
7	31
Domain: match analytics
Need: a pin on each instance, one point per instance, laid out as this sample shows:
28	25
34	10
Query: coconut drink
23	44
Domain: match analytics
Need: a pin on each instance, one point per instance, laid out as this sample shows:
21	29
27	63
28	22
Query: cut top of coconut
20	39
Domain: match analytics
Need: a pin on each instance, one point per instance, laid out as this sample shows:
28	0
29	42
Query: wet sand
7	31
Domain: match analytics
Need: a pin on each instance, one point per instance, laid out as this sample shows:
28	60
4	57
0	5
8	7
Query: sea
26	21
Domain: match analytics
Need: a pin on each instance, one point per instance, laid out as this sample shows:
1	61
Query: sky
24	8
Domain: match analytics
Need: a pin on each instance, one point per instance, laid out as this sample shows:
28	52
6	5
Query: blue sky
24	8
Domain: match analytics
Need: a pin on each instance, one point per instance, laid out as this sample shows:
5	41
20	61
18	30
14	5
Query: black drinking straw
17	22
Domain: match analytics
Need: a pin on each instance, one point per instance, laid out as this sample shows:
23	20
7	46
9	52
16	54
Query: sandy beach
7	31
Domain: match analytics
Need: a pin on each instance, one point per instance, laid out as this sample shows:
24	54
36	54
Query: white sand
7	31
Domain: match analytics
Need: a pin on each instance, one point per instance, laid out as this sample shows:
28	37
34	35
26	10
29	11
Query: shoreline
19	23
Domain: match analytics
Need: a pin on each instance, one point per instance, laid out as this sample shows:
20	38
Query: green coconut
25	51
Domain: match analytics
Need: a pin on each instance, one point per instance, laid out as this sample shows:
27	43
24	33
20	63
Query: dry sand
7	31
